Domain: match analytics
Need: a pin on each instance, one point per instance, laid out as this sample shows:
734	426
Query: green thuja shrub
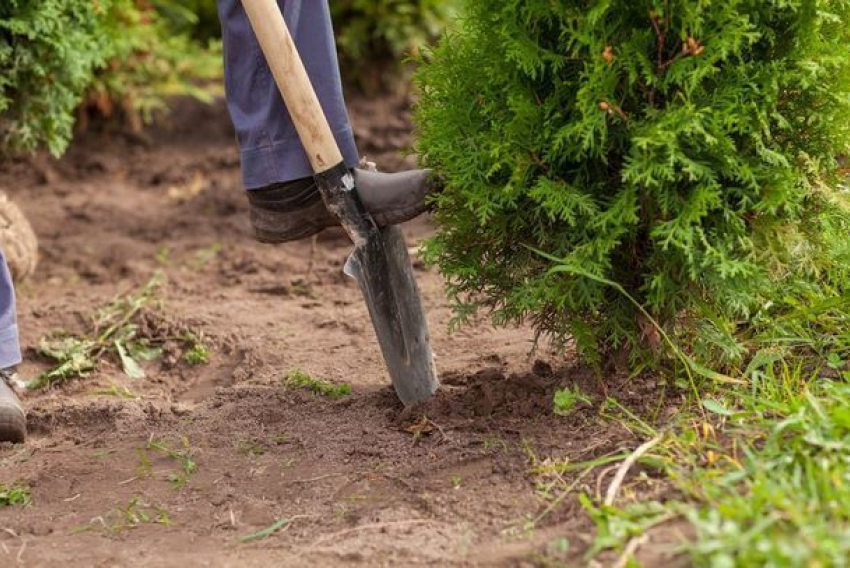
679	156
375	36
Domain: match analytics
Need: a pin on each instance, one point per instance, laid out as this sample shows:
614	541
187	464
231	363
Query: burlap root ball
17	240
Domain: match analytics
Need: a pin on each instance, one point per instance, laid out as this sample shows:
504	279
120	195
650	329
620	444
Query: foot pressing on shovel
294	210
276	169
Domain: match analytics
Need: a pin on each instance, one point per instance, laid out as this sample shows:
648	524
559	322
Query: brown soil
363	480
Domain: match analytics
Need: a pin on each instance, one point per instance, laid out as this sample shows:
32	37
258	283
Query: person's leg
12	417
270	149
285	203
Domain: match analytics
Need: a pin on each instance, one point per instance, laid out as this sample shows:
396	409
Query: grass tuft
758	467
300	379
266	532
198	353
565	400
116	390
250	448
765	481
184	456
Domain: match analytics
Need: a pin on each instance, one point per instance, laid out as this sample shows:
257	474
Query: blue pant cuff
286	161
10	347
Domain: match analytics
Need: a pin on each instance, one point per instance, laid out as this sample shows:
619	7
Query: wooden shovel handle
294	84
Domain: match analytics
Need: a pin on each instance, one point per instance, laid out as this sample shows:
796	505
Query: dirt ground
361	480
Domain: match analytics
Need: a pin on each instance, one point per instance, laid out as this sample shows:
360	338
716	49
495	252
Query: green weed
250	448
113	331
341	511
205	256
184	457
779	493
15	494
198	353
118	391
74	355
145	468
565	400
163	256
492	442
615	527
281	438
300	379
266	532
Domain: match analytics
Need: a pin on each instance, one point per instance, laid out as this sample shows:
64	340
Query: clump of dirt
495	394
192	459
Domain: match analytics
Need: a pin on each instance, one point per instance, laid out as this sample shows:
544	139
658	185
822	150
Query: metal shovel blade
382	268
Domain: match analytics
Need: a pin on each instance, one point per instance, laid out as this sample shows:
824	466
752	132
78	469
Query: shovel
379	262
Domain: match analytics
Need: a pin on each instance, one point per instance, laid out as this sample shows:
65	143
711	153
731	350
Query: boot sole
267	223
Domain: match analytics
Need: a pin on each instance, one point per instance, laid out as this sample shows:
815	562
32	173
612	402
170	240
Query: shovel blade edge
382	268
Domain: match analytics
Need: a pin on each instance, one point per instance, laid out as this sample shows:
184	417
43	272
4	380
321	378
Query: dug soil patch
222	464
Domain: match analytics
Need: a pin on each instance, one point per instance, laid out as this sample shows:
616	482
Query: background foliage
124	58
121	56
670	154
374	37
159	50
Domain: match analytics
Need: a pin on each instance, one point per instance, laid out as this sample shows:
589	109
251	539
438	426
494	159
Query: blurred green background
67	62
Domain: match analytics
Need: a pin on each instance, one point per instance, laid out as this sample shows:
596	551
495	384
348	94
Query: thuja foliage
374	37
117	54
603	156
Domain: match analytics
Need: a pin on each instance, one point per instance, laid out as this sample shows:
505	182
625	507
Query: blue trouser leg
270	149
10	348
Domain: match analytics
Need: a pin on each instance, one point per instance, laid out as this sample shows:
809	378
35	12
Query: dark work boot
13	421
295	210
